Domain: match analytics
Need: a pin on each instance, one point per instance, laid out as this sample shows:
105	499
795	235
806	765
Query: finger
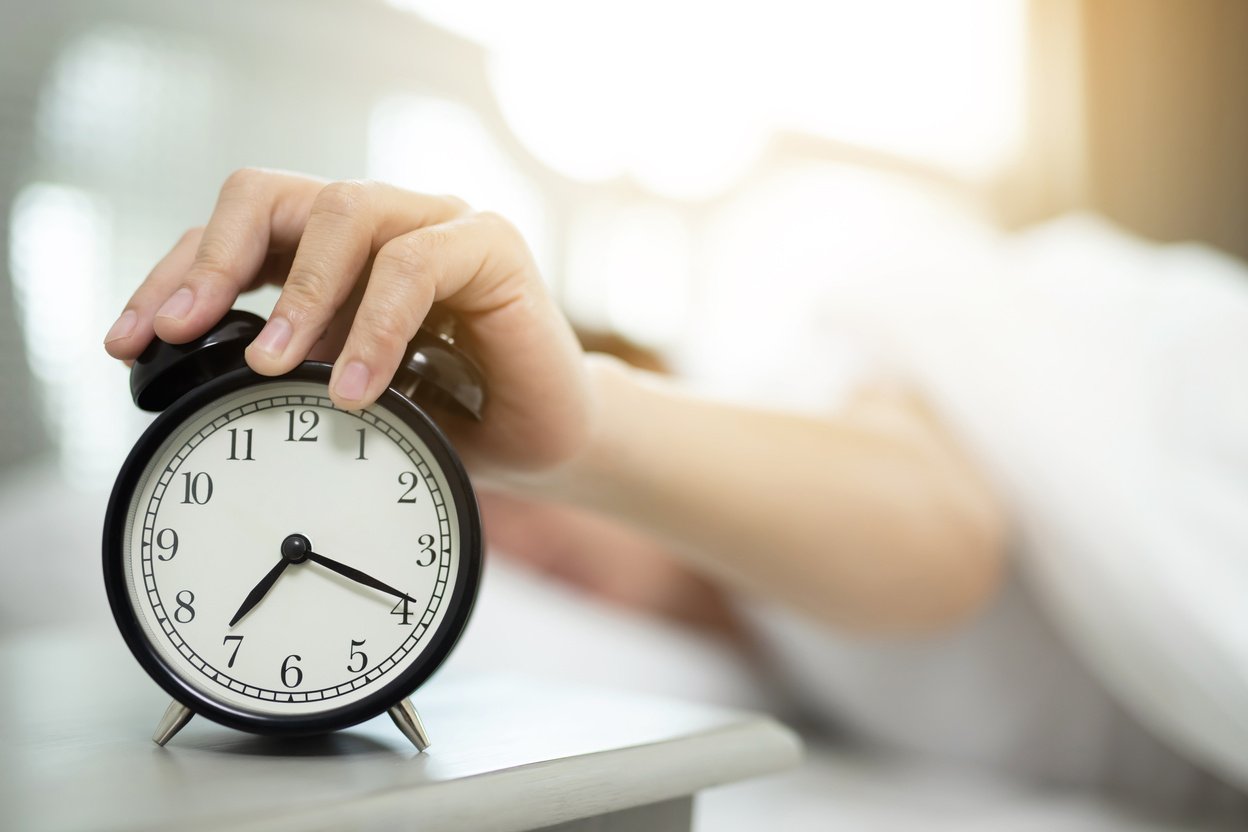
132	331
337	241
347	221
258	213
330	344
411	272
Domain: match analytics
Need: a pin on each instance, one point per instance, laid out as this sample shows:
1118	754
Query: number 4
406	612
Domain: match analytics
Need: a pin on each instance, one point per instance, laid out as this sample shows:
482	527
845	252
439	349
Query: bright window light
628	271
678	124
437	146
791	262
128	99
681	96
121	107
59	262
942	83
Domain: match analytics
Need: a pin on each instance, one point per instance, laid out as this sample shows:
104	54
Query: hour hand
258	592
356	575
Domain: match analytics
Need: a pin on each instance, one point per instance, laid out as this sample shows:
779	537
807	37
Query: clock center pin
295	548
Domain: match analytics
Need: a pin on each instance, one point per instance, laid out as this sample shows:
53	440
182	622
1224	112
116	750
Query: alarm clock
280	565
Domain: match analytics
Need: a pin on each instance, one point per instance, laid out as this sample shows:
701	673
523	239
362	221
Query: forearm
872	524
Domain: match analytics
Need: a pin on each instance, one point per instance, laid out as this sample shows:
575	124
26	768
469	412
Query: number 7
238	640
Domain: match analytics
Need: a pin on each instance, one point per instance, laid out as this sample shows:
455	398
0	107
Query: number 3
426	548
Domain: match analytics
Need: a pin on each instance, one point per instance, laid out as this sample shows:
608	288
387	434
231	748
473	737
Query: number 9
170	547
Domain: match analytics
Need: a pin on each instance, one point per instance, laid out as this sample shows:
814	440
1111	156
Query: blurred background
693	176
677	149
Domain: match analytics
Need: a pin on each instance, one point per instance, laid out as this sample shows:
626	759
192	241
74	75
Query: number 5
360	653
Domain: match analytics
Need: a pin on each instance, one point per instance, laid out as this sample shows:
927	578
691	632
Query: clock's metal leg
176	715
405	716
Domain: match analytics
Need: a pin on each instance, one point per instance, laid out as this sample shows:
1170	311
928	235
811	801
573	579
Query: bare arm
870	519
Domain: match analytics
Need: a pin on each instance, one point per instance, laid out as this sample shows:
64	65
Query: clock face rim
442	642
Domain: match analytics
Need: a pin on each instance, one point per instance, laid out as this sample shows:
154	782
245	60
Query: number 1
360	431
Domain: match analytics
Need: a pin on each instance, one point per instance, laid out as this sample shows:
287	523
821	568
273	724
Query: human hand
360	264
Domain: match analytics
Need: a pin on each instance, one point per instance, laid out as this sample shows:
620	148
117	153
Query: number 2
408	496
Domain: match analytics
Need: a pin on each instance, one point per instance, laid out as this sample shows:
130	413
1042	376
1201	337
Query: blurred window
630	143
438	146
684	95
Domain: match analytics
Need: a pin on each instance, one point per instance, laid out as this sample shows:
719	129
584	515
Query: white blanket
1103	382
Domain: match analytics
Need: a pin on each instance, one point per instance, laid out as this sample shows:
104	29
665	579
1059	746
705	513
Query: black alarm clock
279	565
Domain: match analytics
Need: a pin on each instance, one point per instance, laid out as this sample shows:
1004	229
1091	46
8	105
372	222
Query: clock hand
356	575
258	592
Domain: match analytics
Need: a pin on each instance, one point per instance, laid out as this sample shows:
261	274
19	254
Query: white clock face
358	500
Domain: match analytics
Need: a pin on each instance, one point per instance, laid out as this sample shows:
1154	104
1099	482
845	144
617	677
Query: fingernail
123	326
273	339
352	381
178	305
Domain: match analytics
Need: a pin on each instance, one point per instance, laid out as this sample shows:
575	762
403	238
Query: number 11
247	457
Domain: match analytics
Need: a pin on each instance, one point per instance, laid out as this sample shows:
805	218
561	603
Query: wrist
584	477
612	384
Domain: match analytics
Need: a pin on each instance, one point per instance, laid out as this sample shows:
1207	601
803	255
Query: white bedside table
76	717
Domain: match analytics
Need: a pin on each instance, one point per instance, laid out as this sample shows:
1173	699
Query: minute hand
356	575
